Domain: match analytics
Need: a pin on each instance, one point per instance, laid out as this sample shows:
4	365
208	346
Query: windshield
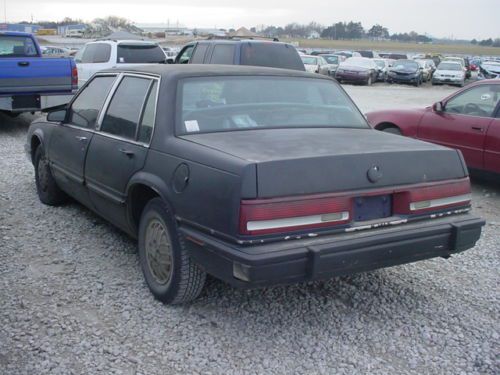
332	59
17	46
309	60
140	54
449	66
215	104
405	64
274	55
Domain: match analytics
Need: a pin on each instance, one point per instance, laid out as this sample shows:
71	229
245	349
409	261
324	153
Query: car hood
449	72
404	70
319	160
355	68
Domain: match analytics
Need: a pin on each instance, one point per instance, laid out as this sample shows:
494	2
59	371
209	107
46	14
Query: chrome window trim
80	91
105	107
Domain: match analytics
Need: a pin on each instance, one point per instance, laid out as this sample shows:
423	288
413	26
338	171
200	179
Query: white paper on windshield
191	126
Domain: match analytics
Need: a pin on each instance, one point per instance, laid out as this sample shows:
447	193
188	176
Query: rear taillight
74	77
283	215
433	197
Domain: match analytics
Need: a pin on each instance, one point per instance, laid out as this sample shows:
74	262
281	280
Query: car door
492	144
462	124
70	140
119	146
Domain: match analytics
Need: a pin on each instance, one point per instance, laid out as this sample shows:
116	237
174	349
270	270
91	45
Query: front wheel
46	186
392	130
171	275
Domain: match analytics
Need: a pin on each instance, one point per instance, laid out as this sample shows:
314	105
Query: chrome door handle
478	128
81	139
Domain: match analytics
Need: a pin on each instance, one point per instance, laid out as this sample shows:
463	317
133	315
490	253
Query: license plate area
26	102
372	208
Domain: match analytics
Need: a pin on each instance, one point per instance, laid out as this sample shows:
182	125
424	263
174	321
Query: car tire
170	274
46	187
392	130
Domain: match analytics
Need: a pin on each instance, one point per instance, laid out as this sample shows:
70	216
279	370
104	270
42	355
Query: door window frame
70	104
492	116
153	78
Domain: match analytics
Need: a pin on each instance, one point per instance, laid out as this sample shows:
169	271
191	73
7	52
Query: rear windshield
17	46
274	55
332	59
449	66
309	60
140	54
215	104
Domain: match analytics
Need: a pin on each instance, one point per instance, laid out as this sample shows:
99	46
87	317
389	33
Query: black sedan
256	176
406	71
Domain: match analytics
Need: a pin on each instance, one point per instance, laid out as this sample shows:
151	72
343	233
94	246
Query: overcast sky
441	18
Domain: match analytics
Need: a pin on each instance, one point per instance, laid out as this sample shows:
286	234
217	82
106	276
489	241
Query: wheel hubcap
158	251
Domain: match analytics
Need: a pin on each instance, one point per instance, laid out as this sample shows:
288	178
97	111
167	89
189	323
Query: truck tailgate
35	75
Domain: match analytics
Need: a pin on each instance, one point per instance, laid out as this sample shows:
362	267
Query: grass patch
462	49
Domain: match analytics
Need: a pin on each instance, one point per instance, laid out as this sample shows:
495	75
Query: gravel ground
74	300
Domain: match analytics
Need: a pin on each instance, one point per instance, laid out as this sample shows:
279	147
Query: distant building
209	32
313	35
68	30
20	27
177	31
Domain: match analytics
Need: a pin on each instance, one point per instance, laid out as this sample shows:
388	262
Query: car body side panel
492	147
406	120
208	197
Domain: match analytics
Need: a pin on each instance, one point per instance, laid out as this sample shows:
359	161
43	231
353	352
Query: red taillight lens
74	76
433	197
282	215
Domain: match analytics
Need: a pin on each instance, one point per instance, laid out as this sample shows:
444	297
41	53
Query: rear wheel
169	272
46	187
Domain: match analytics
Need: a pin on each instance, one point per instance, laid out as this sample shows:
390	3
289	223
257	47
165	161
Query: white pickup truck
108	54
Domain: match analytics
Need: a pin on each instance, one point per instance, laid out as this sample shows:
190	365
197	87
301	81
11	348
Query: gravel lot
74	300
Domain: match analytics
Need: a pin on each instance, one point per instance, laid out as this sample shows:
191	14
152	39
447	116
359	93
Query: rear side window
96	53
199	54
274	55
140	54
17	46
148	116
223	54
86	107
124	111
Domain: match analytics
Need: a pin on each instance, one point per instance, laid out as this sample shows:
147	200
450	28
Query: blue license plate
372	208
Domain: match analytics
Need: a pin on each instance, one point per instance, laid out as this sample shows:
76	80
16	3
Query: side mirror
57	116
438	107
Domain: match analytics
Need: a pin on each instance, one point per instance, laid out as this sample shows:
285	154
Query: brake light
74	77
281	215
433	197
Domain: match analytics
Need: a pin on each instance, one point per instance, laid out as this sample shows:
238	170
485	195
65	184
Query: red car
468	120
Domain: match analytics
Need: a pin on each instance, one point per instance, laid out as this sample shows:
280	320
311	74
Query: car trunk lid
291	162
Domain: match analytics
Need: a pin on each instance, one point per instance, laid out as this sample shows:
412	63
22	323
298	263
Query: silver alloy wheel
158	248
